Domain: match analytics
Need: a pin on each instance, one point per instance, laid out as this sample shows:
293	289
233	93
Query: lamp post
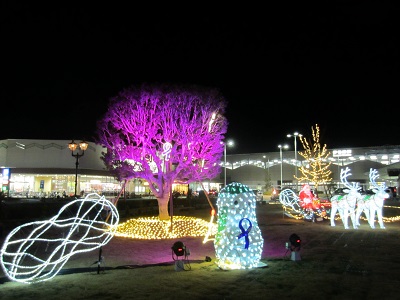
265	164
280	152
229	143
80	151
295	135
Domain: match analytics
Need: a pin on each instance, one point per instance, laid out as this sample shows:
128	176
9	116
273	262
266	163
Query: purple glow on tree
164	134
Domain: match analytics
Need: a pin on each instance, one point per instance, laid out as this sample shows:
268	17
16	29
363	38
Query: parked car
275	194
213	193
392	191
259	196
339	191
368	192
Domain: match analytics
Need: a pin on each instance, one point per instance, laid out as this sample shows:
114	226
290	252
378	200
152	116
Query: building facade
256	169
46	168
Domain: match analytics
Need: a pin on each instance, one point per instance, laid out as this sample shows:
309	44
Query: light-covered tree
164	133
316	156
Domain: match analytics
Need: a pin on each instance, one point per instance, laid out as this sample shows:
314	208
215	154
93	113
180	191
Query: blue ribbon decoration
245	233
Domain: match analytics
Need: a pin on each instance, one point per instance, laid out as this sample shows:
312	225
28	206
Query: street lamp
280	151
265	163
295	135
229	143
80	151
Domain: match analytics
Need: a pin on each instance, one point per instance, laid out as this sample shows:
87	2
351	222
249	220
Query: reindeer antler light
343	178
373	175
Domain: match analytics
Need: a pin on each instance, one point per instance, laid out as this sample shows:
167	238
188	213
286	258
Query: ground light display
37	251
152	228
238	242
351	205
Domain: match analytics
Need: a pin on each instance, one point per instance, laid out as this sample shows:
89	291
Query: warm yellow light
72	146
152	228
83	145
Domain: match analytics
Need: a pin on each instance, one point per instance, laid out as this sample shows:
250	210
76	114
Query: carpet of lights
152	228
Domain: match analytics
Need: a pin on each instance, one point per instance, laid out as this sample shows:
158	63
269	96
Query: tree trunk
163	207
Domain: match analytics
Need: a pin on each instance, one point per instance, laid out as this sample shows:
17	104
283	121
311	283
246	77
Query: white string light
37	251
238	242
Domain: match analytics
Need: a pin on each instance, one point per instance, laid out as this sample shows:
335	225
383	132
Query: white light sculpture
238	242
372	205
346	204
37	251
288	198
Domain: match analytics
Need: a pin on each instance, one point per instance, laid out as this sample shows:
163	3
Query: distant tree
164	133
268	182
316	157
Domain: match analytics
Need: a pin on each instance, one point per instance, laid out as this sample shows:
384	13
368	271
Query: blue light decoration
37	251
238	242
5	180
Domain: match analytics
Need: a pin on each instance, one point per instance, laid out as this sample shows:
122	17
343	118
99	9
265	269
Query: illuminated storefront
45	168
47	185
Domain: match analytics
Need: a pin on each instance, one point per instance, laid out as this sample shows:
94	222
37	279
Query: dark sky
281	69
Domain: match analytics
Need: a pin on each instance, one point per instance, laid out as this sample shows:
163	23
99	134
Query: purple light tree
164	133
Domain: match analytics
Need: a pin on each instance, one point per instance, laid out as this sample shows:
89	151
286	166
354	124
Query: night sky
281	69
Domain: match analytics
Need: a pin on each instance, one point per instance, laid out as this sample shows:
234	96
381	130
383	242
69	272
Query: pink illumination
164	134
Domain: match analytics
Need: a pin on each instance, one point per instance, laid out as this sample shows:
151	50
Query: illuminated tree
164	133
316	157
